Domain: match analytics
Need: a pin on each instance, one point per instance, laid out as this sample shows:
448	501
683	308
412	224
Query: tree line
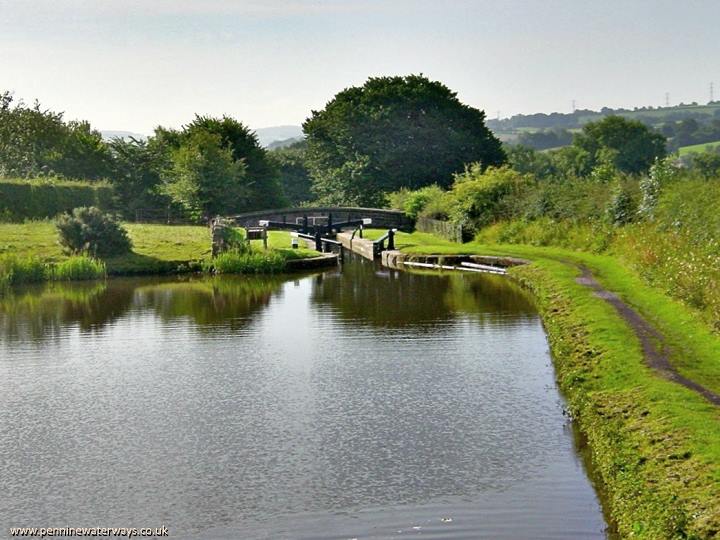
388	135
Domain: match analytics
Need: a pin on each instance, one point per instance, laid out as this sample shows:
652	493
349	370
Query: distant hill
109	135
284	143
268	135
647	115
682	124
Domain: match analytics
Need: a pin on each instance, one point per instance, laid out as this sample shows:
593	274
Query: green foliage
526	160
38	142
42	198
632	145
622	208
90	231
393	132
220	154
247	262
572	161
23	270
78	268
478	194
136	174
415	202
204	177
707	164
19	270
294	176
662	173
678	251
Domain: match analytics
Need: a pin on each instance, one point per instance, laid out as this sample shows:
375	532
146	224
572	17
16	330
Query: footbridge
321	226
325	218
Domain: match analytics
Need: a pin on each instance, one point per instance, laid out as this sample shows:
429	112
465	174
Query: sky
135	64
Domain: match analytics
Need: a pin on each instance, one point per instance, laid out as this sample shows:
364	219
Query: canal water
362	403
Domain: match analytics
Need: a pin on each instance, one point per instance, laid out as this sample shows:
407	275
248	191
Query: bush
79	268
417	201
622	208
478	195
46	198
89	231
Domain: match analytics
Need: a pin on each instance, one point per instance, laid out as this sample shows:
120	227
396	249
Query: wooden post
391	240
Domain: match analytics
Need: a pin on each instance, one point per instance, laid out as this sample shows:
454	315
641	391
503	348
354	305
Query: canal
362	403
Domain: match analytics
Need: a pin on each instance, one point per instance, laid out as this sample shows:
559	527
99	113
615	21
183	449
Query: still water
361	403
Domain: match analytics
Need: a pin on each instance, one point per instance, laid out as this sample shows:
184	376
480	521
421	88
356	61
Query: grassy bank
157	249
21	271
655	444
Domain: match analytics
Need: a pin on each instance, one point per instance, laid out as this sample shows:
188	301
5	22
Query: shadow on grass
136	264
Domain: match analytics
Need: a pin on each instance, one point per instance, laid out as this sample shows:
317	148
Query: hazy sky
133	64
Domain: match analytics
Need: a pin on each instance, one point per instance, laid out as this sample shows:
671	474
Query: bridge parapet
319	215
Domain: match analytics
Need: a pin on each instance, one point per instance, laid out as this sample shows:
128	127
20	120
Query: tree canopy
390	133
37	142
261	178
204	177
630	145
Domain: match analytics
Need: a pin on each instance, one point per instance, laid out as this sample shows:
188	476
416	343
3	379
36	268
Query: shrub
418	200
477	194
79	268
622	208
90	231
16	271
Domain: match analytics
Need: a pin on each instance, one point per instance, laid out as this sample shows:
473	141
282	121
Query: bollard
361	230
391	239
305	224
318	241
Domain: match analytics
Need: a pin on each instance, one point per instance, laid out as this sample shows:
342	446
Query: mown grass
655	444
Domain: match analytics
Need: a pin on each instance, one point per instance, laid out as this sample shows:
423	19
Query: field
697	148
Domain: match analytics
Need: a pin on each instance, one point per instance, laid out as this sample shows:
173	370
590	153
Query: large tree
204	178
261	175
294	176
394	132
631	145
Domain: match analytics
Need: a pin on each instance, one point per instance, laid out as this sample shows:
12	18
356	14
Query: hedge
46	198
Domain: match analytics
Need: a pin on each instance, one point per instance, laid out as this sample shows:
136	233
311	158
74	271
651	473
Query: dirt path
655	350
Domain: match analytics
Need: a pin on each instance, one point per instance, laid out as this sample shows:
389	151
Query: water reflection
41	312
345	404
369	294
